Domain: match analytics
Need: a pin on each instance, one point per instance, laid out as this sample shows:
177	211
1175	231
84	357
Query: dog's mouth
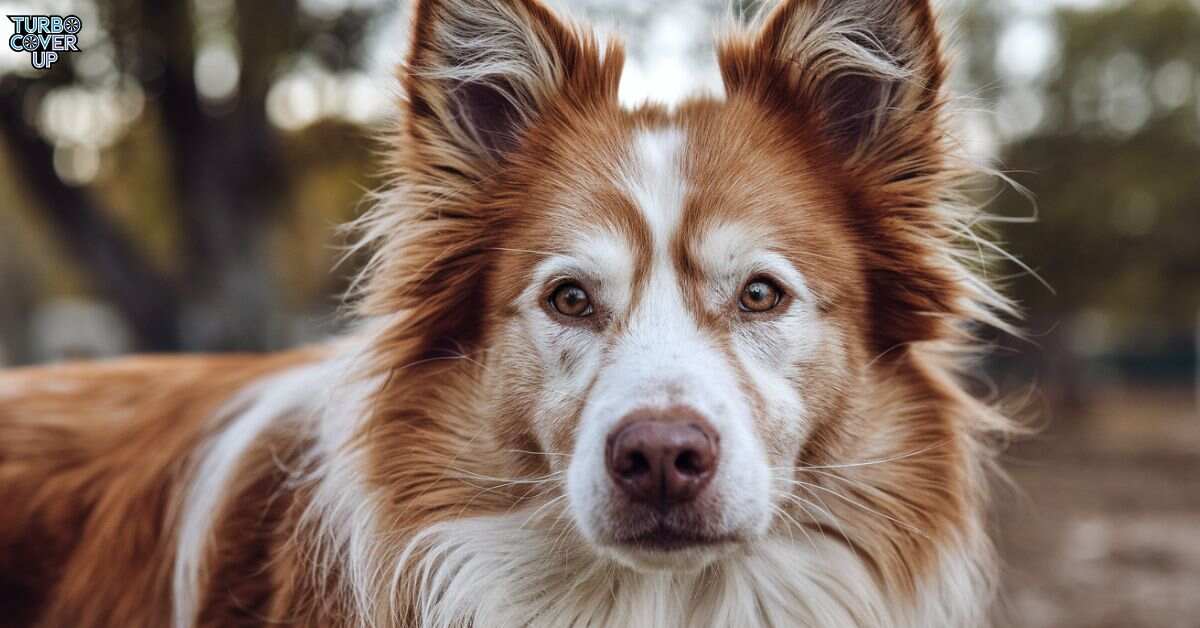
667	538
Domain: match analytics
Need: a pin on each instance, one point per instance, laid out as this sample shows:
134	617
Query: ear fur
481	72
861	68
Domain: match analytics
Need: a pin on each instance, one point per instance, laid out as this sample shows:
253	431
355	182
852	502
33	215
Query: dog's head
671	311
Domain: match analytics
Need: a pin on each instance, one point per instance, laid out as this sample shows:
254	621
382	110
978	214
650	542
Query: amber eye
571	300
760	295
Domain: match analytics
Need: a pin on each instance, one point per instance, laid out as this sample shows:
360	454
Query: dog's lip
669	539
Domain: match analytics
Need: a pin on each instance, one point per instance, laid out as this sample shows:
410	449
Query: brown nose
660	462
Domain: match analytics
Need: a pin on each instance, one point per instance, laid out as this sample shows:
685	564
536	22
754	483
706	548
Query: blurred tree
1116	169
227	183
1106	135
121	273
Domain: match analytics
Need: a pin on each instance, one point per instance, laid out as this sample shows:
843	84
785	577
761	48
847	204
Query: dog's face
674	315
675	308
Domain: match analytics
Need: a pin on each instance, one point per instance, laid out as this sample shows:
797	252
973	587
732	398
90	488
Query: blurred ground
1103	530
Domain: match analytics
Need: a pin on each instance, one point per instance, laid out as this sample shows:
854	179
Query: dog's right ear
481	72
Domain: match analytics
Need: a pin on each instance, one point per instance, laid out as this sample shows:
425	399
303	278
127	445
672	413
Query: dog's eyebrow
601	255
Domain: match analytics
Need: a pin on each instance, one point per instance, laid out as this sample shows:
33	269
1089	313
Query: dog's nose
662	462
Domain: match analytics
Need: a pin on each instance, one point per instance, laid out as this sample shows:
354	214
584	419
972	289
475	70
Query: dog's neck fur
505	571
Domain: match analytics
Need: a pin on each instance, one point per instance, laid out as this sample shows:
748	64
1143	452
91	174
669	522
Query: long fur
418	471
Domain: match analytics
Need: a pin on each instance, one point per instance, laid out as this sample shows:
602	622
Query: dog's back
95	461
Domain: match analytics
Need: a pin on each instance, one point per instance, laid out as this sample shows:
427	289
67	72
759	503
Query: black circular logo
72	24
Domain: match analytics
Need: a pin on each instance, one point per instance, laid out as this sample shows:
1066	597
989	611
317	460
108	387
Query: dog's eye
760	295
571	300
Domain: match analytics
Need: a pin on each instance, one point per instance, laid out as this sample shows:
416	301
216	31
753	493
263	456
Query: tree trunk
228	177
116	268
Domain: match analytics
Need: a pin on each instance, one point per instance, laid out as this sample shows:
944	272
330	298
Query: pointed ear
481	72
869	72
868	75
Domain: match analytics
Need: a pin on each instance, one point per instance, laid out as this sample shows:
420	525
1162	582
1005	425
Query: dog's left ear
868	72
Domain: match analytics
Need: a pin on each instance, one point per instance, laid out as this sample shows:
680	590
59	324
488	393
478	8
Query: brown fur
91	458
94	459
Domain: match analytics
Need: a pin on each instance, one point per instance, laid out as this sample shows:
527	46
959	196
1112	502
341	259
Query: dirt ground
1103	528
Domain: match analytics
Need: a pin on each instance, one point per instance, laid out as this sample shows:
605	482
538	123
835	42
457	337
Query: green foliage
1115	168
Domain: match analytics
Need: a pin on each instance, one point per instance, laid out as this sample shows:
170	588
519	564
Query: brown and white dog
649	367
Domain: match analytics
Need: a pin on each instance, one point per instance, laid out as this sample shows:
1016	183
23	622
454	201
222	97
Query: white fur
343	511
654	179
663	360
604	258
249	413
507	571
330	397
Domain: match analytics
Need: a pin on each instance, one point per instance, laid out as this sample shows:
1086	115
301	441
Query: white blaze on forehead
654	180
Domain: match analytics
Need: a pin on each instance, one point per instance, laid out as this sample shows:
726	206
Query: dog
700	366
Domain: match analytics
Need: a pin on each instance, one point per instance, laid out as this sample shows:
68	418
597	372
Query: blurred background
176	186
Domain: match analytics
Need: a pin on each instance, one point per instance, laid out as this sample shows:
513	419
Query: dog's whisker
509	481
563	394
544	506
530	251
535	453
861	506
779	510
823	508
867	463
